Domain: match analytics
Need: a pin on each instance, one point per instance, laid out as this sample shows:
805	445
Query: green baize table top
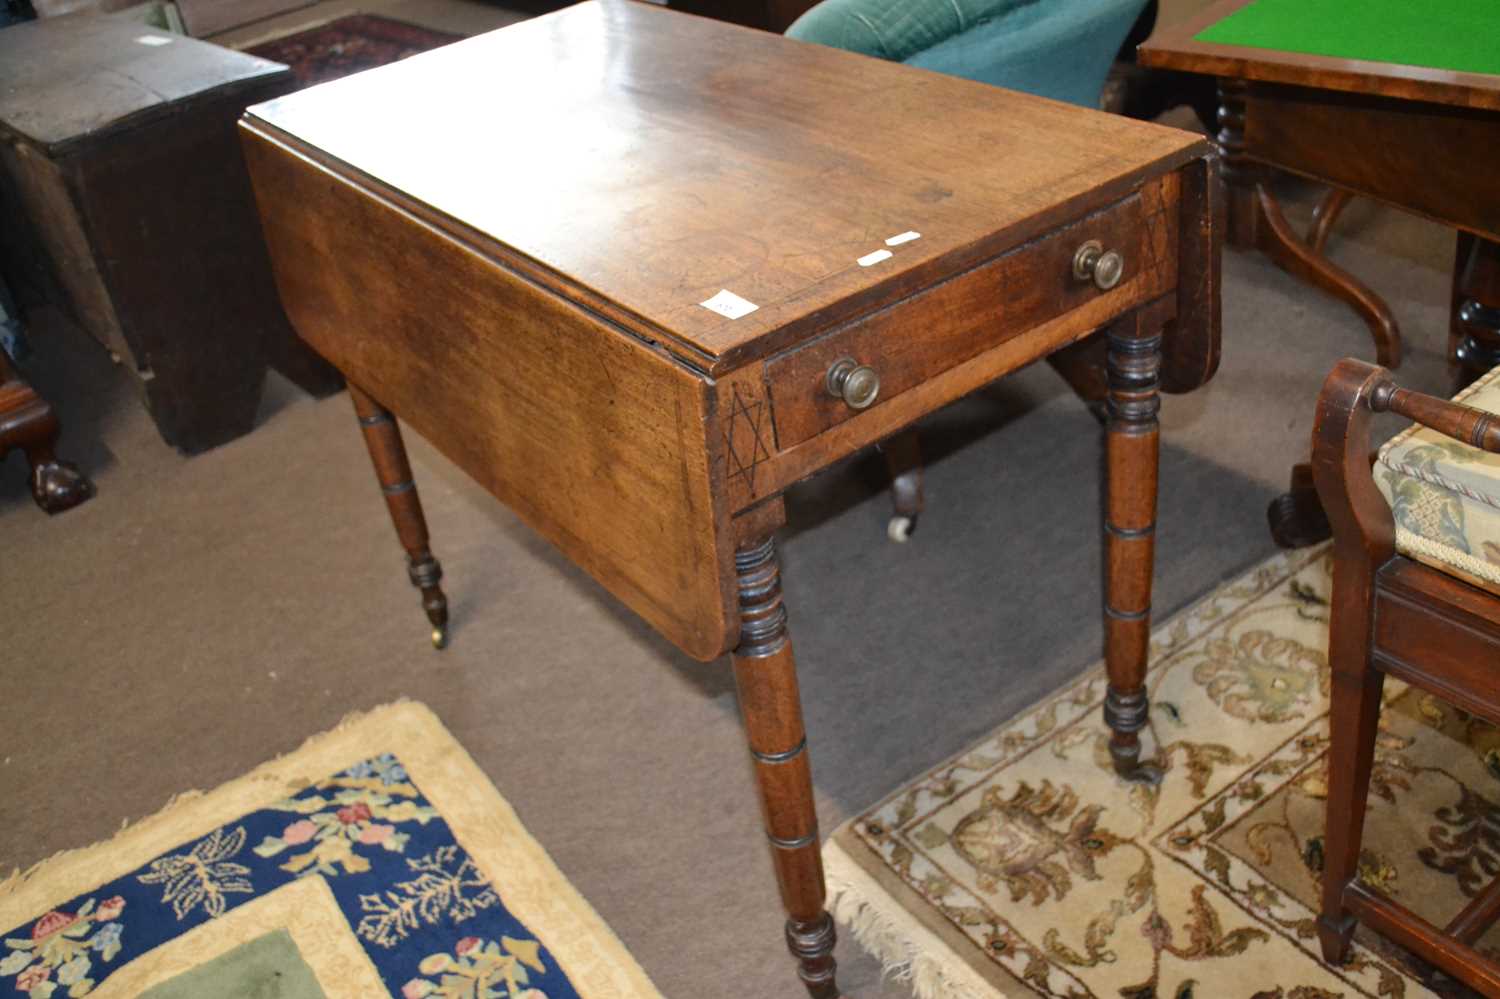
1458	35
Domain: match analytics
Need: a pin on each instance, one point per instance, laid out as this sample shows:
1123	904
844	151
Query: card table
1382	98
638	272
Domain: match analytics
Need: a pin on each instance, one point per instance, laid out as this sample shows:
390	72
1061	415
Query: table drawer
933	330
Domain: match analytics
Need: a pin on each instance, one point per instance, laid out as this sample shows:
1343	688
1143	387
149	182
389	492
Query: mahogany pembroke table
638	272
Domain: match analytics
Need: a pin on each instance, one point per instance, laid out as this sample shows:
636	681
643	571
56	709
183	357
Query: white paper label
154	40
870	259
727	303
905	237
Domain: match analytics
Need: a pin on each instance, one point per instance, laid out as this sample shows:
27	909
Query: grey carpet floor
205	614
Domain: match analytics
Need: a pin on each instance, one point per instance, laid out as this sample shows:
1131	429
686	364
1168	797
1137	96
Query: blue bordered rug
377	858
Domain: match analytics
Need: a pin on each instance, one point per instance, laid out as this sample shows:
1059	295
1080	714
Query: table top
67	78
1442	51
645	160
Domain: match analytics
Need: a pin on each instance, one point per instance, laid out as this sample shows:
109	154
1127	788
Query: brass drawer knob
1094	263
857	384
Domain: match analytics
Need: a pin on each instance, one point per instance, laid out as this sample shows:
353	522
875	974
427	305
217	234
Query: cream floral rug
377	860
1024	867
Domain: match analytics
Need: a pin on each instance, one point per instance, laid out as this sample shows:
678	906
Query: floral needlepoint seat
1445	495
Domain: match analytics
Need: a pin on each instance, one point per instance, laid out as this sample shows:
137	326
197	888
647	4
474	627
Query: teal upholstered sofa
1056	48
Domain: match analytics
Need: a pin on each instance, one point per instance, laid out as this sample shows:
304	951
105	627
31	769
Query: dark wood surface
525	295
134	212
1175	47
77	77
1393	616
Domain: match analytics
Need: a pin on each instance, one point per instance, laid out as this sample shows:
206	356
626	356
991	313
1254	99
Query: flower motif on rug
392	864
57	956
366	806
1034	841
1260	676
479	969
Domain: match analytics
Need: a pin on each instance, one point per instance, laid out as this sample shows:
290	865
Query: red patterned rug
348	45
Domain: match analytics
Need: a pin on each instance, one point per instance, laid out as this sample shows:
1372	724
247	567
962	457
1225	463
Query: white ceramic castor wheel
900	528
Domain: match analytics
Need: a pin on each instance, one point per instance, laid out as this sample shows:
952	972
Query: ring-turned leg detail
388	453
765	674
1476	309
1134	366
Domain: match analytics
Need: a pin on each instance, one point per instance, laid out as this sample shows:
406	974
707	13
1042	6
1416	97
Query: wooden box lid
643	160
70	78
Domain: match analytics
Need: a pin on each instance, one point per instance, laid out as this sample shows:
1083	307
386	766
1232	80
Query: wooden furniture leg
765	675
1256	222
388	453
1474	338
28	423
903	459
1296	517
1324	217
1131	452
1361	544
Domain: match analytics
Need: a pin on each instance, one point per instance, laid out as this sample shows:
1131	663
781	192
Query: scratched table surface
654	159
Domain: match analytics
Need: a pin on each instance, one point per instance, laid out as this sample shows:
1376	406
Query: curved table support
1257	222
1325	216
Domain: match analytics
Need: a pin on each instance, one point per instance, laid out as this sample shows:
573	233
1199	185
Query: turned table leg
1134	366
1475	336
765	674
388	453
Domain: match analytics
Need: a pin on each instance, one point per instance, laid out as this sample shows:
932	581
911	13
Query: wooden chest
118	158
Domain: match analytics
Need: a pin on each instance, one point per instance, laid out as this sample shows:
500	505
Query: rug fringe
907	951
12	884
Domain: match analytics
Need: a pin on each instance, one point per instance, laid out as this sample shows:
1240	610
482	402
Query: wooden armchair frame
1394	616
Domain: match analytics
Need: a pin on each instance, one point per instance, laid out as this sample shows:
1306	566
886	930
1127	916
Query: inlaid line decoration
745	437
1158	230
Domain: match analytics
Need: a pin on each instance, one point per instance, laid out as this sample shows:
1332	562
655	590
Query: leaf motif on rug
445	885
205	875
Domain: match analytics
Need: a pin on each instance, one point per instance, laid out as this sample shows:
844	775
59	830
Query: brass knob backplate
857	384
1094	263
